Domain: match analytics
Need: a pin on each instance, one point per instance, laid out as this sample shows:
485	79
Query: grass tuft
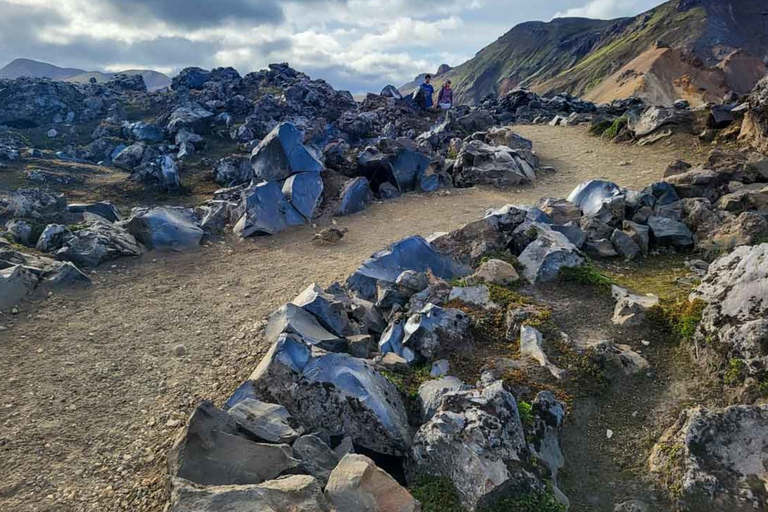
436	494
586	274
681	317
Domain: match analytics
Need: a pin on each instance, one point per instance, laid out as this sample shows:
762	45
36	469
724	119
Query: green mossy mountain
576	55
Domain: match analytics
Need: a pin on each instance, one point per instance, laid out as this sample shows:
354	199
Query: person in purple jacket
445	96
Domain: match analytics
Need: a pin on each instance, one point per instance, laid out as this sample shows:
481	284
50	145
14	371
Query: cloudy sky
359	45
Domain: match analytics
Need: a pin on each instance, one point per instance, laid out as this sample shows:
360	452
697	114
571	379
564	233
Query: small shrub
526	412
534	502
681	317
733	374
586	274
505	297
436	494
618	124
600	127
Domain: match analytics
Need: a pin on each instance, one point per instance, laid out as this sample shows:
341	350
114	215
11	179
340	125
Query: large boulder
671	233
412	253
716	458
330	312
103	209
543	258
269	423
295	493
435	332
16	283
165	228
282	154
481	164
603	200
130	157
213	451
335	394
301	326
358	485
735	319
190	78
431	394
630	309
264	210
305	192
656	117
191	117
34	203
233	170
559	210
99	242
476	439
52	238
355	196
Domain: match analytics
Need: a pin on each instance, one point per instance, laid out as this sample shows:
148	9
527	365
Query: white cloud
608	9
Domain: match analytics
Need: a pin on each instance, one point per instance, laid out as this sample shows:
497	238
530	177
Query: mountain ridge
37	69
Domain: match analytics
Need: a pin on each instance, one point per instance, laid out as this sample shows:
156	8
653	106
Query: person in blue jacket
427	91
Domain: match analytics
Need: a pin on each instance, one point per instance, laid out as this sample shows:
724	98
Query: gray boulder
671	233
355	196
264	210
282	154
630	309
295	493
625	245
233	170
165	228
334	394
302	326
330	312
191	117
559	210
305	192
316	457
476	439
103	209
481	164
656	117
603	200
16	283
543	258
435	332
211	451
99	242
431	393
716	457
130	158
266	422
20	230
52	238
34	203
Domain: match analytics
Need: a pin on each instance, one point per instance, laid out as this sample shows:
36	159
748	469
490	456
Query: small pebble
173	423
609	433
646	343
180	350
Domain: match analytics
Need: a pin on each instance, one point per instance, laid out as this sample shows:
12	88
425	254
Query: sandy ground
95	384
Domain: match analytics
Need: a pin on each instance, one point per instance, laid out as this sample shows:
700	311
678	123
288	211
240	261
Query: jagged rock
302	326
144	132
412	253
747	229
331	313
431	394
34	203
630	309
481	164
619	360
495	272
165	228
233	170
335	394
99	242
21	231
572	232
747	197
671	233
600	249
52	238
696	183
16	283
549	416
736	315
531	345
476	440
640	234
191	117
625	245
305	192
439	368
358	485
264	210
390	91
657	117
214	215
716	457
355	196
266	422
473	295
543	258
316	457
130	157
282	154
211	451
103	209
602	200
435	332
295	493
559	210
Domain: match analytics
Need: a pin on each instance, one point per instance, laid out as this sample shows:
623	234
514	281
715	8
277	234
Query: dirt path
95	384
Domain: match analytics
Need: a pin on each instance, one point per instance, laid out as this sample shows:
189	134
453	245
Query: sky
356	45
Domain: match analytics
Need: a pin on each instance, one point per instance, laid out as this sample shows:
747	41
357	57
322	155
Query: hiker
445	96
424	95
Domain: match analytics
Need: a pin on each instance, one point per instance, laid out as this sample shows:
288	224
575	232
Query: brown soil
92	391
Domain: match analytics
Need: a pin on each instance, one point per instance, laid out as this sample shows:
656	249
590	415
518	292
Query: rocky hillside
681	49
34	69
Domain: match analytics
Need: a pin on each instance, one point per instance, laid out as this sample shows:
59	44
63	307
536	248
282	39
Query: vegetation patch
681	317
599	128
587	375
534	502
734	372
616	126
587	274
436	494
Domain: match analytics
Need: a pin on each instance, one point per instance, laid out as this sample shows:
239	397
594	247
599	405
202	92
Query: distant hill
27	67
692	49
35	69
